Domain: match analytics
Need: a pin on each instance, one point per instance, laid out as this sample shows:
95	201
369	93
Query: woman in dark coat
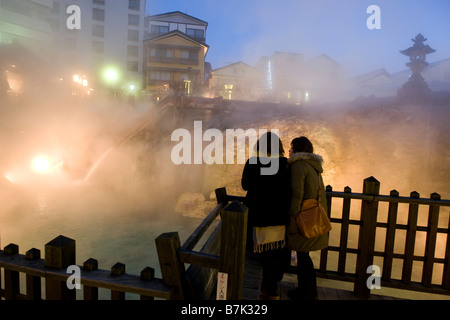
305	168
266	180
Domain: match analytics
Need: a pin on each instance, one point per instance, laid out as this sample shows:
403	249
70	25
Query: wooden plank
383	198
194	238
199	258
410	240
390	237
430	244
203	279
327	294
252	277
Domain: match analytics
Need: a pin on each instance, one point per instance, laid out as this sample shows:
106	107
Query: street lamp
111	75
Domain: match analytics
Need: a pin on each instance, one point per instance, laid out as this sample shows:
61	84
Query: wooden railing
369	225
224	251
59	255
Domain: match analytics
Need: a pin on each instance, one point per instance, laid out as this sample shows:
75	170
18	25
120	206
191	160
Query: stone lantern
416	88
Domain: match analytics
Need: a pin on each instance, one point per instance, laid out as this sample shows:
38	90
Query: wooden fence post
172	270
430	245
369	210
12	285
90	293
390	237
33	283
232	247
59	254
446	273
344	233
221	196
116	271
413	213
147	274
324	252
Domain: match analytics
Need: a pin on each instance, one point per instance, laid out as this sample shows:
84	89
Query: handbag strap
319	193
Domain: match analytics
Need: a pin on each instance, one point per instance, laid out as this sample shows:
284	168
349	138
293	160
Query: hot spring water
122	205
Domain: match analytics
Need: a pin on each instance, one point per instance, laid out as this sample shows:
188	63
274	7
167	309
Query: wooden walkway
252	280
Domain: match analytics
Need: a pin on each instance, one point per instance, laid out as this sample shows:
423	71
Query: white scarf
268	238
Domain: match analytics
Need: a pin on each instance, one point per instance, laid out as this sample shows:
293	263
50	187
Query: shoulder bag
312	220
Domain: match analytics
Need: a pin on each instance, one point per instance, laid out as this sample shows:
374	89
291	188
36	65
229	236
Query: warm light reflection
41	165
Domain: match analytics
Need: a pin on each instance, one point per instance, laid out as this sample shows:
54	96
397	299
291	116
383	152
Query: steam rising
115	198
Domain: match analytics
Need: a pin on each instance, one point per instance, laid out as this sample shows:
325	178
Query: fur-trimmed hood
313	159
305	156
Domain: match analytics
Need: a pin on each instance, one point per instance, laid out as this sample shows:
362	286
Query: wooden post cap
148	274
435	196
118	269
33	254
11	249
414	194
235	206
60	253
90	264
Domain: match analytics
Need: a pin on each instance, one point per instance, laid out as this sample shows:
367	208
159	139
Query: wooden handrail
368	224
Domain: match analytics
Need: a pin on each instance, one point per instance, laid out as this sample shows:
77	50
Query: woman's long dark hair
302	144
266	141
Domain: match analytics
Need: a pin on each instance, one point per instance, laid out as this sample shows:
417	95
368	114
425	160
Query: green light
111	75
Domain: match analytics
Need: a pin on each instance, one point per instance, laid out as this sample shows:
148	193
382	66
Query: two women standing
273	202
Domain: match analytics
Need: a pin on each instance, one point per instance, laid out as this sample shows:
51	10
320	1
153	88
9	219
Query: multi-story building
238	81
108	46
24	36
175	49
104	49
25	22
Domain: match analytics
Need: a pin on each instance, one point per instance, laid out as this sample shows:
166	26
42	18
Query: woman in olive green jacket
305	169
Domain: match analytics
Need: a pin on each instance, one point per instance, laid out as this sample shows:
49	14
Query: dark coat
304	169
267	196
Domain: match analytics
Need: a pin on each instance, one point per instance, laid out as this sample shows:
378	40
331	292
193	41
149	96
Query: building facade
25	22
238	81
175	49
108	46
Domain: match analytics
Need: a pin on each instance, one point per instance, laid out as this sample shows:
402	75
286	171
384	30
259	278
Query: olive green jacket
304	169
